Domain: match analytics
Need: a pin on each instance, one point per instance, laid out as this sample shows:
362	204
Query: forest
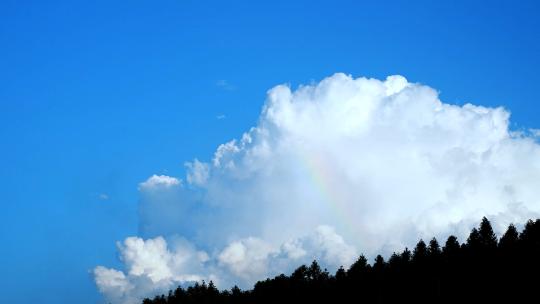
483	269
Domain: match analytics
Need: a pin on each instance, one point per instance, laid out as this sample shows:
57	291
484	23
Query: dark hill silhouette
482	270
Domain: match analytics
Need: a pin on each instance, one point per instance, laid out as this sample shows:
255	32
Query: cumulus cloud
247	258
157	265
251	259
197	172
159	181
343	166
152	266
112	282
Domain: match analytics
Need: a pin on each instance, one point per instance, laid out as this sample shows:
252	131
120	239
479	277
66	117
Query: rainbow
323	177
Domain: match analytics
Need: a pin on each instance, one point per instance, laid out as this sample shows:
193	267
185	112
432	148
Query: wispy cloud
225	85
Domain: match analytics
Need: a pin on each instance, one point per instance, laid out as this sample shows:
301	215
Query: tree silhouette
482	270
487	238
509	239
530	236
473	241
406	255
420	253
341	275
379	265
434	249
451	247
358	267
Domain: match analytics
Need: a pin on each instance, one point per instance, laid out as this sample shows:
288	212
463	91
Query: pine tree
358	268
487	238
341	275
434	249
394	260
300	274
473	241
451	246
379	264
406	255
420	252
509	239
530	236
315	273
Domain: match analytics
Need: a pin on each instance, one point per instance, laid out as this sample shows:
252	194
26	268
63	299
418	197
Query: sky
117	118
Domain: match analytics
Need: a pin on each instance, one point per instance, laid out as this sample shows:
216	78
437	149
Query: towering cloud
331	170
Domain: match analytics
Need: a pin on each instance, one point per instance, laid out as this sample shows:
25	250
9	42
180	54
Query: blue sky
97	96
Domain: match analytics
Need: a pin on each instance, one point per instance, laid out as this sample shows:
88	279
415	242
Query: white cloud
253	259
330	247
156	265
159	181
247	258
378	164
111	282
197	172
383	161
149	257
152	266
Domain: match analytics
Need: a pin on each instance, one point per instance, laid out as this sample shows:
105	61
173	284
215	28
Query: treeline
483	269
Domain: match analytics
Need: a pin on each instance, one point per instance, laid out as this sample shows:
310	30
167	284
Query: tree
530	236
451	247
434	249
473	241
379	264
451	258
235	291
510	238
300	274
420	252
406	255
341	275
212	291
315	273
487	238
358	267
